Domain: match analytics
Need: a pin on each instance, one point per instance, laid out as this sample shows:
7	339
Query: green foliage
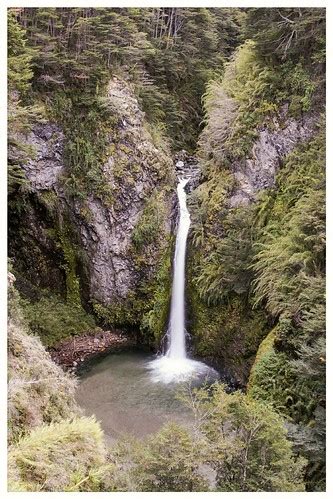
232	334
296	389
289	266
51	448
20	113
169	53
288	33
271	379
247	444
289	259
101	152
270	256
219	277
189	46
154	321
19	56
273	253
309	441
124	313
86	122
169	461
226	270
208	208
298	256
65	456
47	268
237	444
70	257
303	170
148	227
53	320
292	244
248	95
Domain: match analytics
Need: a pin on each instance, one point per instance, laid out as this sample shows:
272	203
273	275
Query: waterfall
175	366
176	330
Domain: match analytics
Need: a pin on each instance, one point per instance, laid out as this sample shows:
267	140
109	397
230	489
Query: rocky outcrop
47	164
258	171
189	167
134	170
76	352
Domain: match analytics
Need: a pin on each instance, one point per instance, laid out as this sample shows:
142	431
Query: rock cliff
258	171
63	236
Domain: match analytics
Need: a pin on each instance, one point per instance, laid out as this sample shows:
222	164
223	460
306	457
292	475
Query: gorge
166	243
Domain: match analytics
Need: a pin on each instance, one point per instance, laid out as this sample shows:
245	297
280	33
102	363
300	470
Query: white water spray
175	365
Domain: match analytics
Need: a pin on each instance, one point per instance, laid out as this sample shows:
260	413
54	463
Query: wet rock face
135	168
106	243
35	254
258	172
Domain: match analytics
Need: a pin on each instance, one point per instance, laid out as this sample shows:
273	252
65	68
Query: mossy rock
228	333
146	308
54	320
271	379
265	351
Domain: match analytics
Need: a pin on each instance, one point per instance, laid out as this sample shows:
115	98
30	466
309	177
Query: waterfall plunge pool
125	396
133	393
175	365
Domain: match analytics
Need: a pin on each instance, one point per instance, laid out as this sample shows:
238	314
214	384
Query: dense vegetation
219	78
170	53
53	448
267	259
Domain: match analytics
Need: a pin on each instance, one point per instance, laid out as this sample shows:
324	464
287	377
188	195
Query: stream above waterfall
120	391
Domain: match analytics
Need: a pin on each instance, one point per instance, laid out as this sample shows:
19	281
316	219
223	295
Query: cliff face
66	240
135	171
258	171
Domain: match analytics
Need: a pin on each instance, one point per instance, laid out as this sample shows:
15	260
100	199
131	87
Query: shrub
64	456
247	96
246	443
169	462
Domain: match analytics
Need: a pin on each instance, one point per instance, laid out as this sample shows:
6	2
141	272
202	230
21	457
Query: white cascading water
175	366
177	347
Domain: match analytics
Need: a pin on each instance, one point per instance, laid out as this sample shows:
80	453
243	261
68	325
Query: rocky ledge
73	353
